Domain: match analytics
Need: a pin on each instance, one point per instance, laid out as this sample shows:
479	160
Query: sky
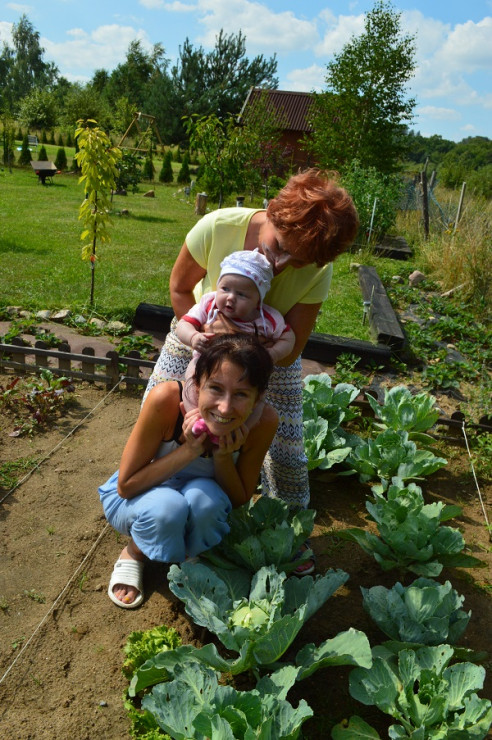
452	83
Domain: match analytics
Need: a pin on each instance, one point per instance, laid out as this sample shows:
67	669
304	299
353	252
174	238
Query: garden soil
61	638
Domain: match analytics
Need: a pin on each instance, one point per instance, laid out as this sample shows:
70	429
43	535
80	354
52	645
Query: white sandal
127	573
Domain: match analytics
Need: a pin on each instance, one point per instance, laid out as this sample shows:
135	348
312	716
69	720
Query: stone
61	315
397	279
25	314
13	310
354	266
80	320
97	322
149	194
116	326
124	212
415	278
44	315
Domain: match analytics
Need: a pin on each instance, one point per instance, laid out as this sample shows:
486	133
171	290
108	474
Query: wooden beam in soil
383	322
323	348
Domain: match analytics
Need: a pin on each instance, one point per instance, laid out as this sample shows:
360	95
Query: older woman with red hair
310	222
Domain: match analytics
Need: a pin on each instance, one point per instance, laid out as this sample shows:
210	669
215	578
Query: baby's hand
199	340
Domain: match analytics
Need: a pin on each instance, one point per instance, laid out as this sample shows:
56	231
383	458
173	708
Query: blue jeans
167	522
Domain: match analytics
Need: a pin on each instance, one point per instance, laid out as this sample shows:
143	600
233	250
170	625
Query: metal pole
372	220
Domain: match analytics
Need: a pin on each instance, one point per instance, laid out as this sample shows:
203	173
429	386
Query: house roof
292	106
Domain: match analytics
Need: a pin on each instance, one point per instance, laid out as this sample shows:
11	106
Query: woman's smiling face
226	398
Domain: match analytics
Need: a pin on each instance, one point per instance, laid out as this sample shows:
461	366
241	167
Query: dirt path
61	638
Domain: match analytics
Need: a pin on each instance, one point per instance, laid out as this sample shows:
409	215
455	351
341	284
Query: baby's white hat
250	264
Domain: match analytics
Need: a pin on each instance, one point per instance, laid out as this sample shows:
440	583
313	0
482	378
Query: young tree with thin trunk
97	159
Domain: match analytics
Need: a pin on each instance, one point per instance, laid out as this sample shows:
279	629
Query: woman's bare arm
138	470
185	274
301	318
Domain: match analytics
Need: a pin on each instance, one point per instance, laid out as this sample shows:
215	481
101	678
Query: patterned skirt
284	474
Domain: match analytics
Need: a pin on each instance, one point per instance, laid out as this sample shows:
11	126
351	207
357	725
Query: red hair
316	218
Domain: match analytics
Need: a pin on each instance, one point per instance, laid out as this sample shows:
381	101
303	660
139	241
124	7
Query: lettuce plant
258	618
428	697
194	705
391	454
410	534
265	532
425	612
324	410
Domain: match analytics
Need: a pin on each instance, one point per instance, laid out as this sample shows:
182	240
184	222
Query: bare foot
124	593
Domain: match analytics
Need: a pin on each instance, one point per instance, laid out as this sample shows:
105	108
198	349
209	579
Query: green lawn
40	250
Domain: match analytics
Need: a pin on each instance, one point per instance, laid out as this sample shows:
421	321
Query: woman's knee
206	500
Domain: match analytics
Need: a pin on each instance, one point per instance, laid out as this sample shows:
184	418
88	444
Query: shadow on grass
152	219
8	245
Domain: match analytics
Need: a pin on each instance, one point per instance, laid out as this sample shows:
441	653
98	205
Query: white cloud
469	128
305	80
178	7
20	8
438	114
340	30
5	33
151	4
468	47
266	32
106	44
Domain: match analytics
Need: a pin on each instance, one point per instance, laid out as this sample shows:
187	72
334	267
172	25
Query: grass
42	268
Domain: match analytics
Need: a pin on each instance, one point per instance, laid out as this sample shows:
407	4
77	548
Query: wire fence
412	200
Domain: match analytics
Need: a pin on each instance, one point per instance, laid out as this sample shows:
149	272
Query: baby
236	306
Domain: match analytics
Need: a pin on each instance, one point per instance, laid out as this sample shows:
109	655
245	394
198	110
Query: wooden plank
394	247
326	349
383	322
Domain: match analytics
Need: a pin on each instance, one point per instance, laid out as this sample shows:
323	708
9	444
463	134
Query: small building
293	109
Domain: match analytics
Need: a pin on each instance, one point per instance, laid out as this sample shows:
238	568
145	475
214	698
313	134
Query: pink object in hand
199	427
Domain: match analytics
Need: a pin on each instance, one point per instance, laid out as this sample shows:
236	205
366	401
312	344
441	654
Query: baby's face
238	297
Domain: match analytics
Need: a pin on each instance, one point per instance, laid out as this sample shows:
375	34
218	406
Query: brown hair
243	350
316	217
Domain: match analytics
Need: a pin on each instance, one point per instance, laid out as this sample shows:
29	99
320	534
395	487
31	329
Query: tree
38	110
363	113
133	78
22	69
97	159
216	82
42	154
84	103
221	146
184	173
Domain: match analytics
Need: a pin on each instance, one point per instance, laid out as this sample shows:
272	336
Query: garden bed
61	638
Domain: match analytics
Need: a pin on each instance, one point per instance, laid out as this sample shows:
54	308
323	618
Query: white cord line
28	475
476	482
54	605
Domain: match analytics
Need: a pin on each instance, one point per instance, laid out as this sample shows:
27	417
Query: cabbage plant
425	612
401	410
264	532
392	453
257	618
194	705
324	410
411	536
429	698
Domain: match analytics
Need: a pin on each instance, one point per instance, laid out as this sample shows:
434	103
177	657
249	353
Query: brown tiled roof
292	106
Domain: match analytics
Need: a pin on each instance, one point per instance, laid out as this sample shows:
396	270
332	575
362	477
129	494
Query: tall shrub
61	159
166	173
25	155
42	155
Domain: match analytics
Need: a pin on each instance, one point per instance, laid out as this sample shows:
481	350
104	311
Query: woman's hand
189	419
230	443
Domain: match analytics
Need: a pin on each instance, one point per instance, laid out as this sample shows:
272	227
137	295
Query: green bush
59	140
44	138
61	159
43	155
25	155
373	190
184	173
480	181
148	169
166	173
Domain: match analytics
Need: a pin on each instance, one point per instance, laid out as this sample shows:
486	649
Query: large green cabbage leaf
212	603
194	705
